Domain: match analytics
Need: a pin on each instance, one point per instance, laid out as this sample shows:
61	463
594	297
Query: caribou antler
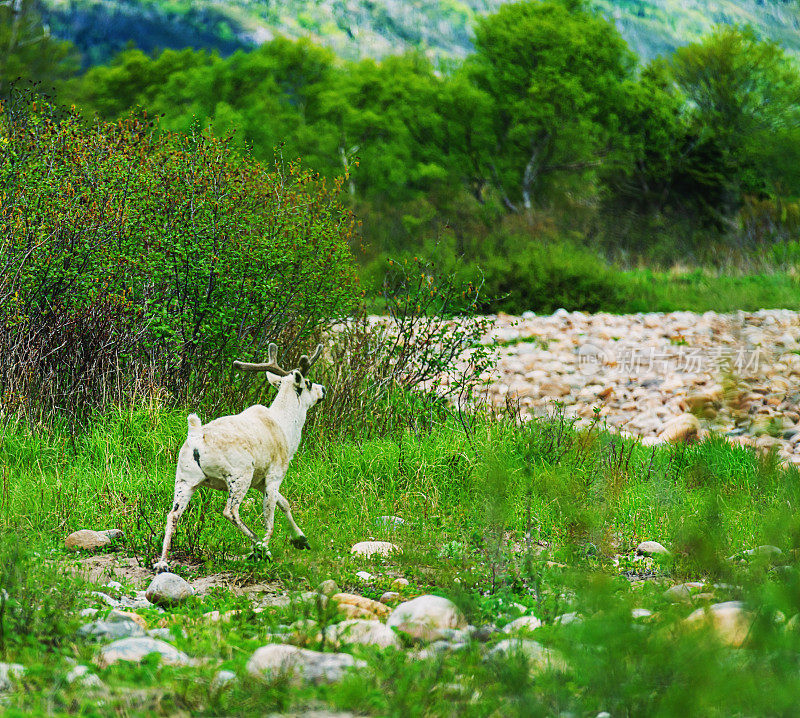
306	363
271	364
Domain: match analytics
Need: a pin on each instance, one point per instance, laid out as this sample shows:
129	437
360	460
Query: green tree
744	98
556	73
27	50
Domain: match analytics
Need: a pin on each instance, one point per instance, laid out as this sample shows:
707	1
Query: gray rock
363	632
135	650
111	630
328	588
274	660
683	592
88	612
9	674
168	589
222	680
389	597
86	540
539	657
162	633
114	586
566	618
105	598
651	548
366	549
82	675
522	624
138	601
426	618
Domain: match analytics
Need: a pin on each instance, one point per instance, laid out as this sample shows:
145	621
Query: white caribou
248	450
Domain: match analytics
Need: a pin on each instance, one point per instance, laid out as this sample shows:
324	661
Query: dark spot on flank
299	390
175	508
196	456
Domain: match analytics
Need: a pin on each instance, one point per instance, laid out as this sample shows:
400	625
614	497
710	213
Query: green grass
585	499
699	291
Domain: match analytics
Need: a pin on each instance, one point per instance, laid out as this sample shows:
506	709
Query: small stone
222	680
683	592
366	549
135	650
162	633
641	613
730	620
390	597
370	608
86	679
764	552
425	618
358	631
168	589
399	584
116	615
539	657
88	612
9	673
685	428
566	618
522	624
105	598
114	586
111	630
364	576
88	540
275	660
328	588
651	548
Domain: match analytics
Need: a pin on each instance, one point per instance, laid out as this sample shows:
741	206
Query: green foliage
27	50
37	601
155	255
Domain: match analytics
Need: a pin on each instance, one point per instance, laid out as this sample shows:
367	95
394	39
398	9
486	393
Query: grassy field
504	519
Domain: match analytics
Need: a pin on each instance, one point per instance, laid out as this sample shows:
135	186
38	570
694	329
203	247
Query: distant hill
375	28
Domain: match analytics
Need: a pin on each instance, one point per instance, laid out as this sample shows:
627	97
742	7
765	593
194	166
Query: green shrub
137	260
37	600
525	275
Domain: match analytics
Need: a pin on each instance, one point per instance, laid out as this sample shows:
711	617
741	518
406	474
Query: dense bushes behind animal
136	260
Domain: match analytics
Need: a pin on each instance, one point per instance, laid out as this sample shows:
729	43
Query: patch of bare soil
102	568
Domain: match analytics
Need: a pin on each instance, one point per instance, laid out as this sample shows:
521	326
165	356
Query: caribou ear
274	379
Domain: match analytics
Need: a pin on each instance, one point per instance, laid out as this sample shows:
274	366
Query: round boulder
426	618
168	589
274	660
366	549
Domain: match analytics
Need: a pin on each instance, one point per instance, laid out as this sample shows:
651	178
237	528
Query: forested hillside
369	28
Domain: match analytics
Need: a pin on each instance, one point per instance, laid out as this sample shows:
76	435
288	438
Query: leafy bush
525	275
138	261
37	601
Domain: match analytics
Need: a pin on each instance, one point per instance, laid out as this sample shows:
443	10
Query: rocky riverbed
657	376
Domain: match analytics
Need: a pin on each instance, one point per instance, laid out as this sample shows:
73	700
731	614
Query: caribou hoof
301	542
161	567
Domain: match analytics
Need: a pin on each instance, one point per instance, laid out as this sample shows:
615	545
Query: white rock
425	618
360	631
82	675
275	660
9	673
522	624
730	620
364	575
539	657
373	548
111	630
651	548
87	540
135	650
167	589
222	680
